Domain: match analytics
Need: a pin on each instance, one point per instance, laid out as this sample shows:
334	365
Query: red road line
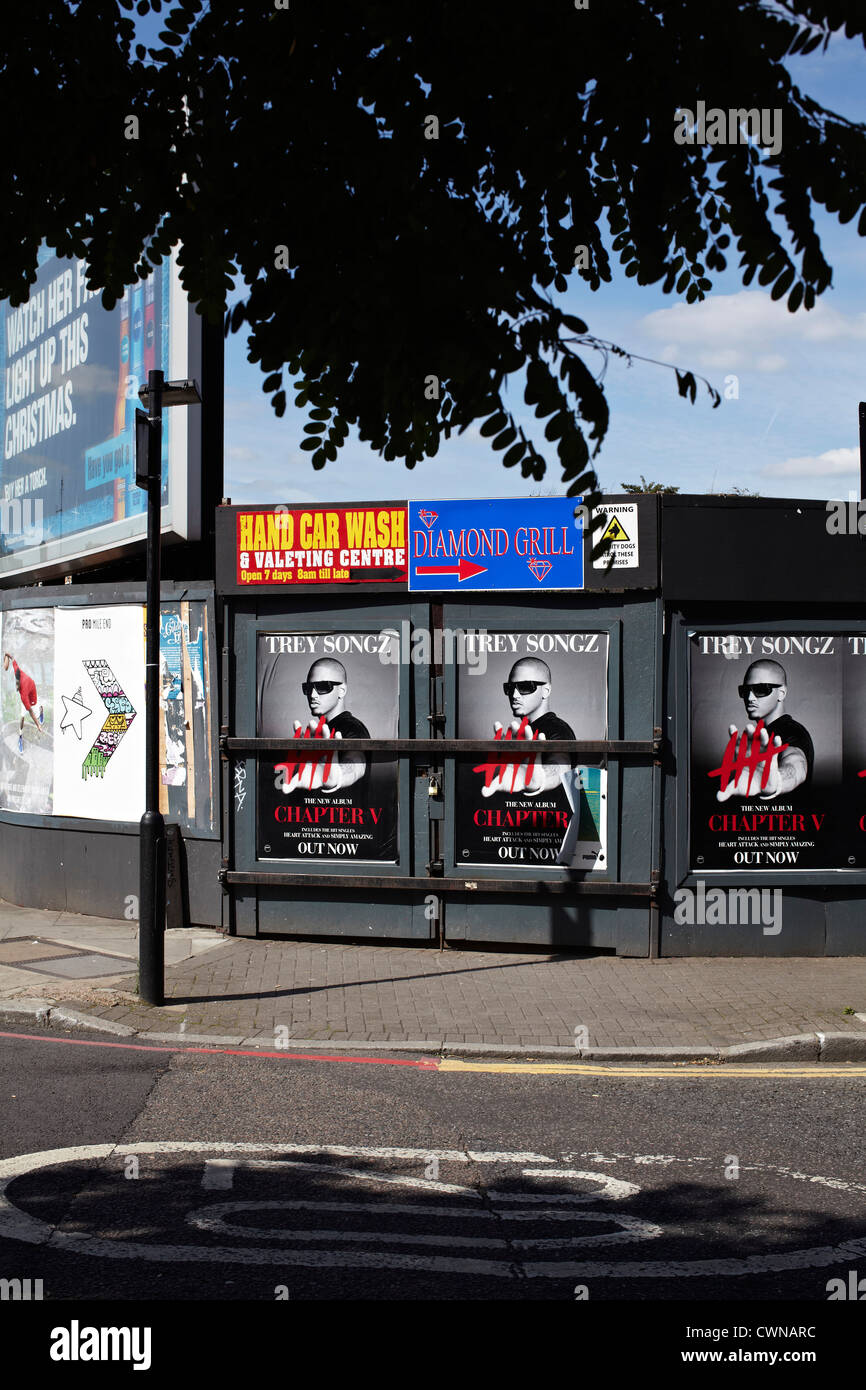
426	1064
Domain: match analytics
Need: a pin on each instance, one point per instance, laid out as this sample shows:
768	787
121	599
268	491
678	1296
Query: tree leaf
496	423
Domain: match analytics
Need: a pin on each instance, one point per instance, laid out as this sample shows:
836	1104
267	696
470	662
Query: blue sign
508	543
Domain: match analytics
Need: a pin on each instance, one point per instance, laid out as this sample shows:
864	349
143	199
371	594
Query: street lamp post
157	395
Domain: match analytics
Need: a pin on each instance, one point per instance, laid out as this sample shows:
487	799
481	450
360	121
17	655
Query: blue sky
792	431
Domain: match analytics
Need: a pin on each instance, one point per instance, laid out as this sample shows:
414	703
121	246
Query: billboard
71	371
320	807
528	808
777	750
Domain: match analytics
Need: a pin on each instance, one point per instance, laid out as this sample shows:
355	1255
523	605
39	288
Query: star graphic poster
99	713
27	710
521	810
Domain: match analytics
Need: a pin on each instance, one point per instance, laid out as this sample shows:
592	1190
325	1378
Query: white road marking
179	1146
612	1190
477	1213
814	1258
218	1174
19	1225
838	1184
280	1165
212	1219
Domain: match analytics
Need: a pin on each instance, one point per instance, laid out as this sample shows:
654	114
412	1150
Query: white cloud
723	357
832	463
747	329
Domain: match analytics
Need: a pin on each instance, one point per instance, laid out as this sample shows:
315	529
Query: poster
173	769
775	734
27	739
535	809
186	790
854	752
99	712
322	807
71	371
73	713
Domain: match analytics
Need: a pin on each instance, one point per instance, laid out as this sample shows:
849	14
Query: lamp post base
151	916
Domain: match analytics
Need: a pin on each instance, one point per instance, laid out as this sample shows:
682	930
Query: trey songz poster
525	807
323	806
766	750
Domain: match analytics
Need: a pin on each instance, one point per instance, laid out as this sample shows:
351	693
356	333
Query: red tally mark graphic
289	769
740	757
493	770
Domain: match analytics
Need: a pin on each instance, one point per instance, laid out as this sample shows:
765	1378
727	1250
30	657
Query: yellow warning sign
615	531
622	549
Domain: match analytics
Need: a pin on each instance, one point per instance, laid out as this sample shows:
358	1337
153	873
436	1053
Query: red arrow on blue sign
464	569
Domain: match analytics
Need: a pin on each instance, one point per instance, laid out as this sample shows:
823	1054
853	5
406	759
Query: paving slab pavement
276	993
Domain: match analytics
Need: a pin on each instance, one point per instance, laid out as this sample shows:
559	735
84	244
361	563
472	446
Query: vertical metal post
437	848
862	449
151	922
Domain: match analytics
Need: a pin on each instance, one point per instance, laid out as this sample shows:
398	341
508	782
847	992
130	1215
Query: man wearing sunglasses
325	691
528	693
763	692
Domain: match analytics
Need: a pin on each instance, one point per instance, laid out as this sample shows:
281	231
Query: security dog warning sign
622	532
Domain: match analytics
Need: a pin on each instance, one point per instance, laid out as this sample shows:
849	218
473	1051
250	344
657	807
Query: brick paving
331	992
346	993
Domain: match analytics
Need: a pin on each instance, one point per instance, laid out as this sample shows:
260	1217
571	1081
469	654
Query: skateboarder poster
539	808
323	807
26	746
99	712
766	750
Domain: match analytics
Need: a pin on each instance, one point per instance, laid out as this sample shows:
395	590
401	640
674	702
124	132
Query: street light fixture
157	395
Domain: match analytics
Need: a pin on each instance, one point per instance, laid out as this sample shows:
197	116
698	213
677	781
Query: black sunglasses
762	690
320	687
524	687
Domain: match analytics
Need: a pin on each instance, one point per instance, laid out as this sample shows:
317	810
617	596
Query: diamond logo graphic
540	568
428	518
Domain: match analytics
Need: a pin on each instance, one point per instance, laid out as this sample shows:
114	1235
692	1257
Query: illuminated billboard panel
71	371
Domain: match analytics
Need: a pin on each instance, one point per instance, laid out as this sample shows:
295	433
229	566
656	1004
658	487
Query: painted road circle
538	1217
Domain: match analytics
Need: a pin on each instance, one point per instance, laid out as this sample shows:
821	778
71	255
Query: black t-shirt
348	726
551	726
792	733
